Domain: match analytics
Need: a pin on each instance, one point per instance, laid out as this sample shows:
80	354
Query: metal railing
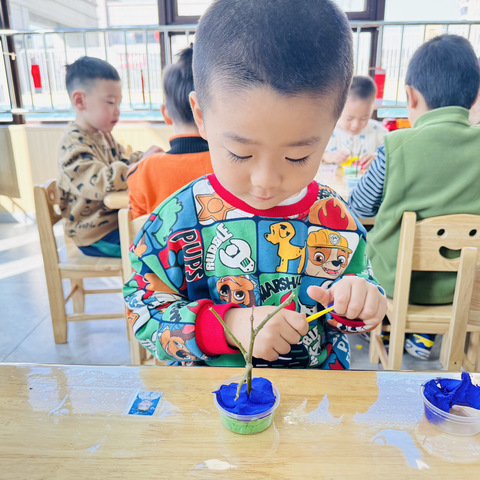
141	53
138	53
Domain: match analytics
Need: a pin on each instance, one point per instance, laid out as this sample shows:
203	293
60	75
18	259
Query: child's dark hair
363	88
177	84
445	71
294	47
83	72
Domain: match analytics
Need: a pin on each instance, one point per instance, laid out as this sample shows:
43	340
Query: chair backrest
48	214
128	228
427	245
435	236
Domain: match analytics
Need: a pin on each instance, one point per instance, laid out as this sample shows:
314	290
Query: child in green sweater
430	169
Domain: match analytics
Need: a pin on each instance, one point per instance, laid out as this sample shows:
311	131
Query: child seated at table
155	178
356	133
429	169
266	98
92	163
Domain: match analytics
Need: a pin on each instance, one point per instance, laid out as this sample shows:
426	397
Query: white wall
34	150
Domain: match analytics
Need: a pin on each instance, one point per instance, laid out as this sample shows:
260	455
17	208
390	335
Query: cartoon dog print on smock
207	249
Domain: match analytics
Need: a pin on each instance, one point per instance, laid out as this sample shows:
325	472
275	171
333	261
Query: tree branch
228	332
248	356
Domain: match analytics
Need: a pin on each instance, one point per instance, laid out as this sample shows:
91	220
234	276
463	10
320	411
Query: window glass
131	12
31	15
192	8
40	14
352	5
431	10
5	104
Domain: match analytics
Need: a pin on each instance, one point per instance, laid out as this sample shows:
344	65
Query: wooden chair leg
472	352
396	346
57	307
476	352
457	332
78	298
373	348
444	350
137	352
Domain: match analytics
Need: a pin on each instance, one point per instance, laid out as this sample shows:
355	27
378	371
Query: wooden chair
420	249
471	360
71	264
128	229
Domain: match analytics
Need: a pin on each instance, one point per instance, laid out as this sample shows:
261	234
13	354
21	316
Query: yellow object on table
69	422
349	162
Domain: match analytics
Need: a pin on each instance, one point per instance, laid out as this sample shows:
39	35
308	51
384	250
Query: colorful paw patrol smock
203	247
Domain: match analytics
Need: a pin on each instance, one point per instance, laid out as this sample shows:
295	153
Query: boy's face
101	105
355	115
265	147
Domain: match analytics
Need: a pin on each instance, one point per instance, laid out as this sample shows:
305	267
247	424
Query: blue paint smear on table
392	408
321	413
402	440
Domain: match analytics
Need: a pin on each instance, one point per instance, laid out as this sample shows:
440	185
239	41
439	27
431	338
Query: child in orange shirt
154	179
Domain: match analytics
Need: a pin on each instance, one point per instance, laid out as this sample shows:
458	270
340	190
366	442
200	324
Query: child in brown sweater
91	162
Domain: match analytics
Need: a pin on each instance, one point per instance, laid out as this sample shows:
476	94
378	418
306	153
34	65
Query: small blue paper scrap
144	403
446	392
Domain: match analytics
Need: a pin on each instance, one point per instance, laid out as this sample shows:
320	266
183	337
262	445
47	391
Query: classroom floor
26	331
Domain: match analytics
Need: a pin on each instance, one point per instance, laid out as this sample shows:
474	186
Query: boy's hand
151	151
275	338
337	156
365	160
354	298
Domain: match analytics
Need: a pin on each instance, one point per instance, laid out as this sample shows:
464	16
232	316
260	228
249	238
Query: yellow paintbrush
319	314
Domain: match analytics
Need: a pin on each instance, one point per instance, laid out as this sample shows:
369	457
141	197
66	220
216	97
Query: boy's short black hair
177	84
363	88
445	71
83	72
294	47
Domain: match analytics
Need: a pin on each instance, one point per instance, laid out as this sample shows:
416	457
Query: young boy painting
155	178
92	163
430	169
356	133
267	97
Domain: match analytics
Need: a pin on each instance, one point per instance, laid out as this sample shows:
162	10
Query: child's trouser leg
108	246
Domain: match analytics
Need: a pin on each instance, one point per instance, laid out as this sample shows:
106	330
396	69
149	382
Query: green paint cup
247	424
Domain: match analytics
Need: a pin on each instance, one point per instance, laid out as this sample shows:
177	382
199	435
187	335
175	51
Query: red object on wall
390	124
37	79
379	79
